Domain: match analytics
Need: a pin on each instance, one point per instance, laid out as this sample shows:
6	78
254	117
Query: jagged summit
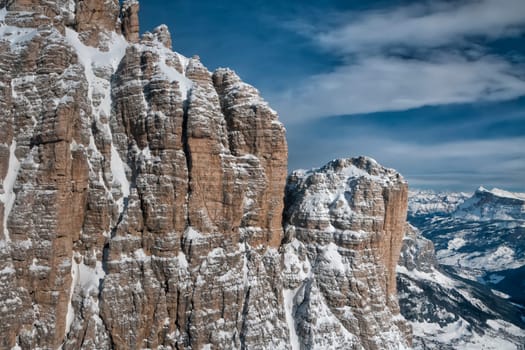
355	167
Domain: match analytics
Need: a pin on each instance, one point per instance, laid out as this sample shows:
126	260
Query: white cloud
371	80
429	24
380	83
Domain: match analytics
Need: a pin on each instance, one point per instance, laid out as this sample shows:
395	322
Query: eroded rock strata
344	228
142	199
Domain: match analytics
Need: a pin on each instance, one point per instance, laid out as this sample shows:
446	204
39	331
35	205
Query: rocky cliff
142	201
344	225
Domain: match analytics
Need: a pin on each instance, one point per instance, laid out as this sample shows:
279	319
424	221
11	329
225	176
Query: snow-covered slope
449	312
481	245
484	234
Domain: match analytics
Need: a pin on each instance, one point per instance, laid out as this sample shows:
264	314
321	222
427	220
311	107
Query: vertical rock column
48	97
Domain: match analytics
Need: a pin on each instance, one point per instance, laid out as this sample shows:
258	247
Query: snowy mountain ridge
502	193
489	205
421	202
483	204
480	249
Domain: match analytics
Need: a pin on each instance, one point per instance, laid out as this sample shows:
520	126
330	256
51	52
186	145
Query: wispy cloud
411	56
493	150
429	24
383	83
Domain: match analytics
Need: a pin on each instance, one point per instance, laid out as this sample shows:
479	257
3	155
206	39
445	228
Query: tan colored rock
253	130
134	222
95	20
143	197
130	20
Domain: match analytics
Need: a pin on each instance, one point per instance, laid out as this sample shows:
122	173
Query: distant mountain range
470	293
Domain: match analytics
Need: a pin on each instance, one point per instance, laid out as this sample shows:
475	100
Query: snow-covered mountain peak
344	223
495	204
501	193
351	169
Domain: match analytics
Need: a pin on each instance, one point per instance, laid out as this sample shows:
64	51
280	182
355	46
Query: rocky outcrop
344	228
95	20
141	201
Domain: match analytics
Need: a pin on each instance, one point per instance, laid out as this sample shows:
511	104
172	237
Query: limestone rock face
344	228
129	218
95	19
141	202
130	20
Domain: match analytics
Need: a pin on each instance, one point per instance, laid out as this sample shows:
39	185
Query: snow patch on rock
16	36
118	169
289	295
171	73
456	243
8	196
70	315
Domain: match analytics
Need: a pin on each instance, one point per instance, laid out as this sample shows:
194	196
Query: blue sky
433	89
